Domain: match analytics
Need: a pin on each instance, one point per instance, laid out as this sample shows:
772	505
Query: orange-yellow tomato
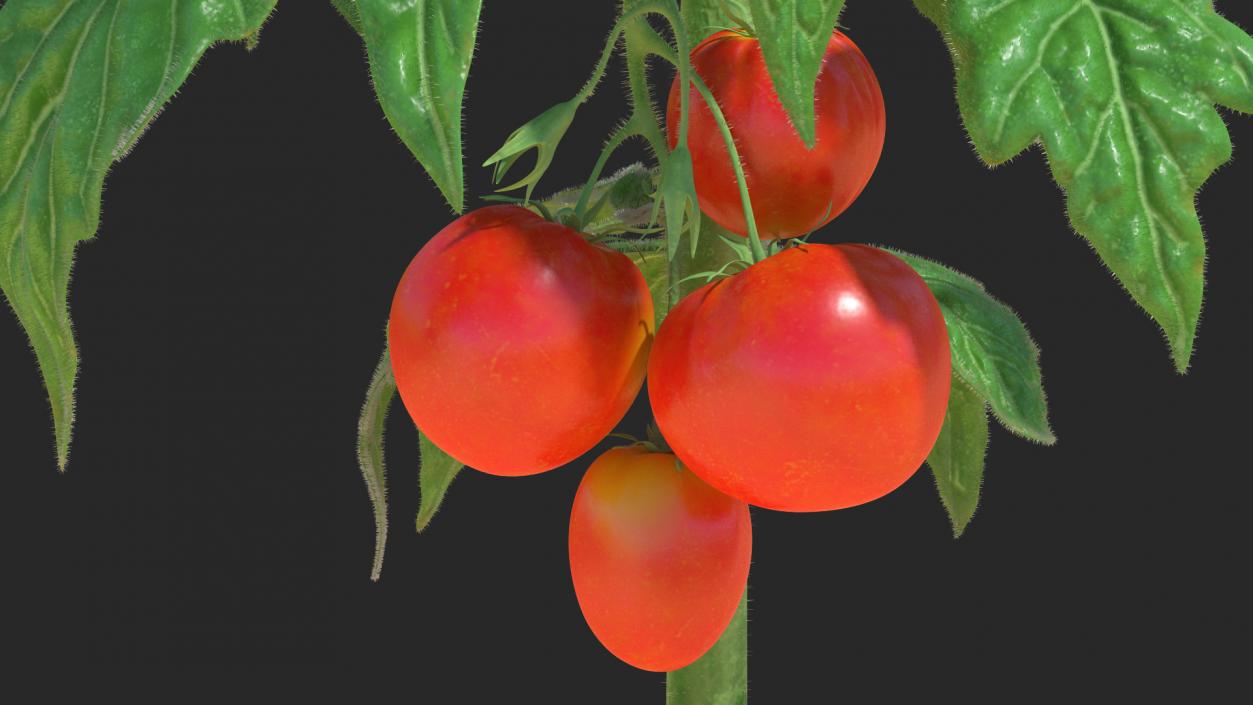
659	558
516	345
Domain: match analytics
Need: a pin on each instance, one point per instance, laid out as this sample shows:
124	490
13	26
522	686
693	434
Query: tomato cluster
813	380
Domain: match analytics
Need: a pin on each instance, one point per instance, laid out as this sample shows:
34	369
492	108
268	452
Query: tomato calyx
743	257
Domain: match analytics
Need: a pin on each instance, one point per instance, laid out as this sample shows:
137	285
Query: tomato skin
659	559
516	345
794	190
816	379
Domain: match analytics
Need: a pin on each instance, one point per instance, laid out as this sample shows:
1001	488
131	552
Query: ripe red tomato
816	379
515	344
794	190
659	559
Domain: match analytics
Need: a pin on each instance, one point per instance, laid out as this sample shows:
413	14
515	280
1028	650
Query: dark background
230	313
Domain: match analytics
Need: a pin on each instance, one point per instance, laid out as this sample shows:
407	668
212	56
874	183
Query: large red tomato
516	345
659	558
793	189
816	379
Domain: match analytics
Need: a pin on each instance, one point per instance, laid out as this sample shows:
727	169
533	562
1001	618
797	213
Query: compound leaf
79	82
1121	95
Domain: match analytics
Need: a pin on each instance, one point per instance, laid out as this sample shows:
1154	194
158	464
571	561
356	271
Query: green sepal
543	134
676	195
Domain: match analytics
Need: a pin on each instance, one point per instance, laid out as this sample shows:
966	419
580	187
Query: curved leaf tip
81	81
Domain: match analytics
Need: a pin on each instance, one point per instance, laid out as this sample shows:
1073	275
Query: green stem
639	36
668	10
620	135
720	677
754	239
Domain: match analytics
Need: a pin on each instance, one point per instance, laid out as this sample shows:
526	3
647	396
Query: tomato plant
795	188
786	373
854	373
659	558
504	311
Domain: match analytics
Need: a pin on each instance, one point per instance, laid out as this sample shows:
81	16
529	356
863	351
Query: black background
230	313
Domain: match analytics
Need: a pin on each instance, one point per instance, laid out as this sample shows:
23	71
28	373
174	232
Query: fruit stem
754	239
622	134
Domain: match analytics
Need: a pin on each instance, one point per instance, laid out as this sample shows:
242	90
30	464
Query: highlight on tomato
517	345
816	379
659	558
794	190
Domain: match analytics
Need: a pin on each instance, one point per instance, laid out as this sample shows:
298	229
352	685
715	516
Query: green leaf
956	460
992	350
420	55
932	9
720	677
794	35
676	195
348	9
437	472
370	431
79	82
1121	94
702	18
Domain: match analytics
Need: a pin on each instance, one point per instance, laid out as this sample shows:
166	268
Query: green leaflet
420	55
720	677
348	9
378	399
956	460
436	473
702	18
932	9
794	35
1121	94
79	82
992	350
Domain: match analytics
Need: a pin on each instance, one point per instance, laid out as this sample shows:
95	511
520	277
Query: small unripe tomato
517	345
794	190
659	558
816	379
